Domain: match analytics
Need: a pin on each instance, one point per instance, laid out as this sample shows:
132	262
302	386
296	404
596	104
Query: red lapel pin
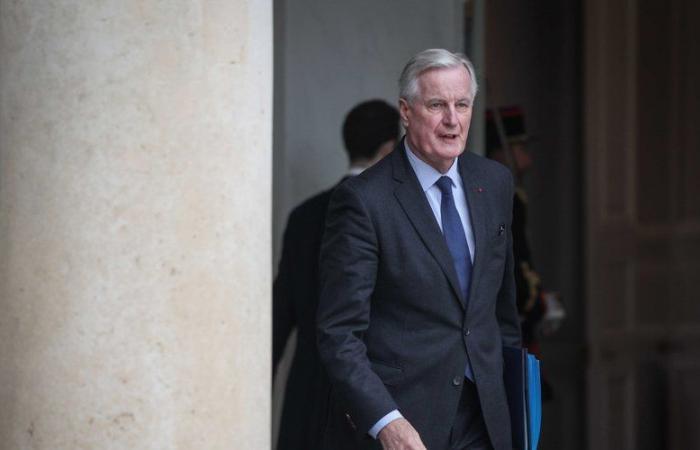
479	190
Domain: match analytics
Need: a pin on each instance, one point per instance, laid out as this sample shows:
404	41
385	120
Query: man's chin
451	149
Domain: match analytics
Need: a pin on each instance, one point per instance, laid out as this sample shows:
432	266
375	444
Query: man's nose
449	116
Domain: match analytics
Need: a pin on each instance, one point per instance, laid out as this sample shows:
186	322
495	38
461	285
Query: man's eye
434	106
463	106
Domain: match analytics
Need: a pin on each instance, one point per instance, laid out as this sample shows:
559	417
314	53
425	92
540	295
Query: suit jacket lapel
411	197
477	212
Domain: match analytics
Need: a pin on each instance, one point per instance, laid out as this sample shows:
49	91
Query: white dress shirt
427	177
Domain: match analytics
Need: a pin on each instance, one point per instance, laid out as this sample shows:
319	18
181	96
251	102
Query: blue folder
521	376
534	400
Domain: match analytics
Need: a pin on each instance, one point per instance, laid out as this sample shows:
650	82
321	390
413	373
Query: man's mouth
449	136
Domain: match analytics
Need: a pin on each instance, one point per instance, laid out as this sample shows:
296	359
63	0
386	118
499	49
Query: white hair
434	58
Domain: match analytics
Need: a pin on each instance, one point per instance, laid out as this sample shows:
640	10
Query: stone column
135	203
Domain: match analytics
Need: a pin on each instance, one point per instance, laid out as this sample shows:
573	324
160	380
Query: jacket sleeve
348	270
506	306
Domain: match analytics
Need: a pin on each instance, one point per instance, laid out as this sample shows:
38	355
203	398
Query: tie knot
445	185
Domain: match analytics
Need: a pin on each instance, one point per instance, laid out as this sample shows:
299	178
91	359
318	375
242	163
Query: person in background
540	310
370	132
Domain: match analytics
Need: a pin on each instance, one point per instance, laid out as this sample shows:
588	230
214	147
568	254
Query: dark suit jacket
393	328
295	300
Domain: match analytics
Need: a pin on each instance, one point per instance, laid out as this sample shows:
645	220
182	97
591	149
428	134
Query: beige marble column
135	199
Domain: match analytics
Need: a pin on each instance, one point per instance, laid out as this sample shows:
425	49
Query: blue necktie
457	244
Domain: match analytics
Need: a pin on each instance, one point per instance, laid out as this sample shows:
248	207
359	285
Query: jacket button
457	380
467	332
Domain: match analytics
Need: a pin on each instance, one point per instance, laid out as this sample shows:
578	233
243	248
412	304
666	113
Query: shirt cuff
384	421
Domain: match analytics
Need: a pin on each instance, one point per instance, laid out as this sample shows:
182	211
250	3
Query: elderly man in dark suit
417	292
370	132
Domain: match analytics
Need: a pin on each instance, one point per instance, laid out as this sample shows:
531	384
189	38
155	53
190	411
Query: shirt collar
355	170
427	174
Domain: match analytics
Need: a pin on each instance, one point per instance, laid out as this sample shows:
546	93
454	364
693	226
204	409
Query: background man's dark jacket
295	299
393	327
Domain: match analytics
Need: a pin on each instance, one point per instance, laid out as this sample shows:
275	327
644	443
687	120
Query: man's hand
400	435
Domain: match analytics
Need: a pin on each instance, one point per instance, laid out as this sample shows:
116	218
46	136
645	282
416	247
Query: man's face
437	120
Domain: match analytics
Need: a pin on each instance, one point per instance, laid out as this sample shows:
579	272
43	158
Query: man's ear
404	112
